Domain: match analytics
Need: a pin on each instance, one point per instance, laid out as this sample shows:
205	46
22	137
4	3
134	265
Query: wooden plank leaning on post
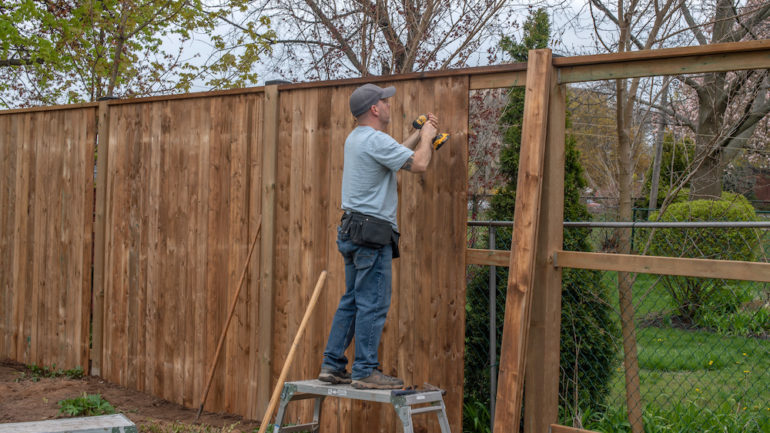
292	350
542	376
522	266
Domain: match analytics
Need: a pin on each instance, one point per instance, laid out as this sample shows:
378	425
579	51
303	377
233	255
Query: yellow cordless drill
438	140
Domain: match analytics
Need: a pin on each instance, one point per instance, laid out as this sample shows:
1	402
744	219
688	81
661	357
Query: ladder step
426	409
299	427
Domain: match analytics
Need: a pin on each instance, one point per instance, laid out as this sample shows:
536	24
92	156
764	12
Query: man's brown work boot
378	380
334	377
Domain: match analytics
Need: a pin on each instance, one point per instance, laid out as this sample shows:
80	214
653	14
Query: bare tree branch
20	62
699	36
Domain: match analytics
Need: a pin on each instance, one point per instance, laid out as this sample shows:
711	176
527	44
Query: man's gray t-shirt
369	184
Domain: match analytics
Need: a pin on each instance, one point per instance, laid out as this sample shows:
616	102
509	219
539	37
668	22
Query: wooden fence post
542	374
97	297
524	247
265	317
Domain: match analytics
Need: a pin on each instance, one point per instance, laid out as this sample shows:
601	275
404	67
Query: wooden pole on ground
292	350
227	324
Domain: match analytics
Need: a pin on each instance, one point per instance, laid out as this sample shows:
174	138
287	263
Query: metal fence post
492	333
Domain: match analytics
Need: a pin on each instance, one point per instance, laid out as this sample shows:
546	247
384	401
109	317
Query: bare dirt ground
22	399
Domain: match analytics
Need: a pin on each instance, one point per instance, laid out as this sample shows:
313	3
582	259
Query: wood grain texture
702	268
178	224
542	371
46	219
525	236
269	149
179	189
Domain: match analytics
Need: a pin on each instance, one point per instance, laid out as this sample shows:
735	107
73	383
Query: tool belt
369	231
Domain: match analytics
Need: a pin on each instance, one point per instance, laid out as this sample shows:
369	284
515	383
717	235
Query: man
368	235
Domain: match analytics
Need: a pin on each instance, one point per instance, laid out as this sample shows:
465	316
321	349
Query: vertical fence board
97	291
203	351
266	282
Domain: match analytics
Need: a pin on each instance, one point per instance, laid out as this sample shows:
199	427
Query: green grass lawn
681	370
679	365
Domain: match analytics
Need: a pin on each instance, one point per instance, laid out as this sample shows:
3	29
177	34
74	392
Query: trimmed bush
694	297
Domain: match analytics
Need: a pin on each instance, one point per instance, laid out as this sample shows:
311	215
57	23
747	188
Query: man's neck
373	123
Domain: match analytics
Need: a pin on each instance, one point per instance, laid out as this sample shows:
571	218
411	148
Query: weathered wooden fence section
181	185
46	218
180	204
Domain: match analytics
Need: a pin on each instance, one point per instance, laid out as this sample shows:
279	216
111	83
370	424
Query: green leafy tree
587	331
77	51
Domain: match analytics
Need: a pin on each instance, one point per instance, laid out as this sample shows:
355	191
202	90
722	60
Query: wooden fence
182	183
46	218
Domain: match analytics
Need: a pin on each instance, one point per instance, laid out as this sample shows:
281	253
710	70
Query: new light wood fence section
422	341
46	220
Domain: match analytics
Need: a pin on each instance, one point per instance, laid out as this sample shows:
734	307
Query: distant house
762	186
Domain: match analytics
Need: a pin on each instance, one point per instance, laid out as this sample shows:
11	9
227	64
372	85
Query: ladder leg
443	421
405	415
286	396
319	401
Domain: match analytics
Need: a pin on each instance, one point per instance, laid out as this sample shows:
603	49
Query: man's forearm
412	140
422	154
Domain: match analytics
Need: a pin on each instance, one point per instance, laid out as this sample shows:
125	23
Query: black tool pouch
370	232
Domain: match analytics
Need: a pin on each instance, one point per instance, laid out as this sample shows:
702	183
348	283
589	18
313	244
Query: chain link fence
703	345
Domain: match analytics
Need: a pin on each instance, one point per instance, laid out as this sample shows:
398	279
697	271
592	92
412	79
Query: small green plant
476	418
742	323
86	405
35	373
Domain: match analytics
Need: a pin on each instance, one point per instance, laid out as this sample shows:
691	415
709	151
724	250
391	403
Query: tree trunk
625	281
706	181
655	181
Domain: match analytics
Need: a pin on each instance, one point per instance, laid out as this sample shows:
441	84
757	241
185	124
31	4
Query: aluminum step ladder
402	401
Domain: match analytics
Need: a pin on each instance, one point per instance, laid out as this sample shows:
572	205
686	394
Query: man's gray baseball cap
367	95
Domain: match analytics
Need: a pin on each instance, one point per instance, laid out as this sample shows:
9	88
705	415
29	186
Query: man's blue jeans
362	309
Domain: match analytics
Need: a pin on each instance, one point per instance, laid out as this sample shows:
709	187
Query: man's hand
418	162
430	129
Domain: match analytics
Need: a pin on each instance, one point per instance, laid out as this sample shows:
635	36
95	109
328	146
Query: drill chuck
419	121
